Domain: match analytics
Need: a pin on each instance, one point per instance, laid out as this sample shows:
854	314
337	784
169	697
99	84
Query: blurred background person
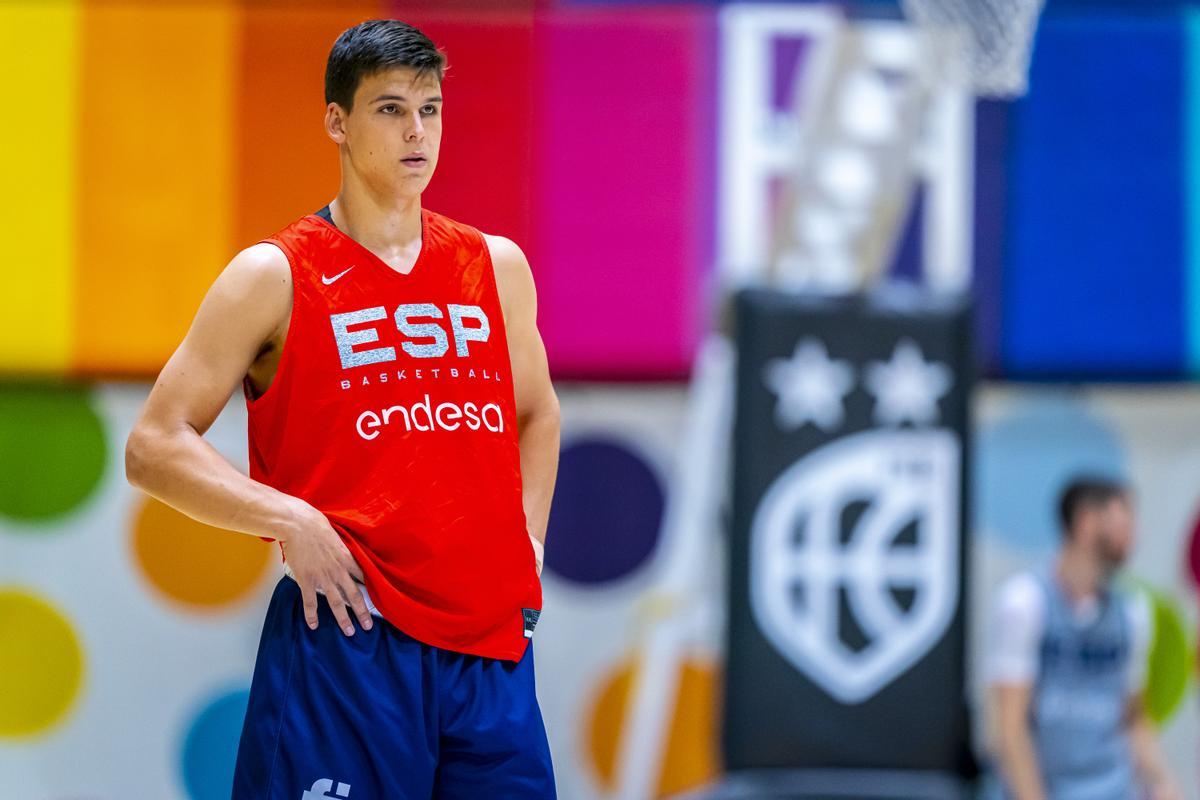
1067	664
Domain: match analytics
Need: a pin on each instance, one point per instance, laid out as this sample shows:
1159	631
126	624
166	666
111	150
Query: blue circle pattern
607	512
1025	458
210	747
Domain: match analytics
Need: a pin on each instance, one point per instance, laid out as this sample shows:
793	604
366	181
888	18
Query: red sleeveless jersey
392	412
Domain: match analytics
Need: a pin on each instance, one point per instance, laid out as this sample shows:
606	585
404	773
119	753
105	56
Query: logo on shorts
320	789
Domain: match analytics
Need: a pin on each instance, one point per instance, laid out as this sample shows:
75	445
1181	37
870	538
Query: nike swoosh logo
328	281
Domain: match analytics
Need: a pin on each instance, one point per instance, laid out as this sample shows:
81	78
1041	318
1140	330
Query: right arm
166	454
1012	666
1014	745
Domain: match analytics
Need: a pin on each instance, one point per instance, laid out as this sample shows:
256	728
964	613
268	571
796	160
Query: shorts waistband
287	571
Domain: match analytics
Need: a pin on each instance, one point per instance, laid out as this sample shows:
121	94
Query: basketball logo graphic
854	557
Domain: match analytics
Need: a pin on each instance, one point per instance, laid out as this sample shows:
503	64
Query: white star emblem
809	387
908	387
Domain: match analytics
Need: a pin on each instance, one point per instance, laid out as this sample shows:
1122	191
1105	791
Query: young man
1067	664
403	440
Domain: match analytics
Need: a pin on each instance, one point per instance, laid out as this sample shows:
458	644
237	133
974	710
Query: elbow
1012	740
551	414
543	414
137	457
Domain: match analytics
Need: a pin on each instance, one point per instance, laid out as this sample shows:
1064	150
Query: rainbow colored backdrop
152	142
157	140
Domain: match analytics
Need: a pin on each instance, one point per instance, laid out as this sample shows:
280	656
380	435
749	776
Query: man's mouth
414	161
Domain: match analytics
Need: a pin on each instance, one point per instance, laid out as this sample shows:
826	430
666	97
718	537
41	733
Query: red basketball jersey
392	412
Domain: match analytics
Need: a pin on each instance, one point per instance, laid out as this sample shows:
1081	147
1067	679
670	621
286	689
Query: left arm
1148	757
1147	754
537	404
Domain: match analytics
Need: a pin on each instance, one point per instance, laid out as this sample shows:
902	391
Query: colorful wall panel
129	631
40	165
167	137
141	181
285	164
624	163
151	157
490	140
1095	273
156	176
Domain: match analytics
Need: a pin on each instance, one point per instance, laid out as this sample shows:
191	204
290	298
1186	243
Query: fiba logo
321	788
854	557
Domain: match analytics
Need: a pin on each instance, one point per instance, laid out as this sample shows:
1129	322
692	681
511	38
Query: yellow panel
156	197
38	53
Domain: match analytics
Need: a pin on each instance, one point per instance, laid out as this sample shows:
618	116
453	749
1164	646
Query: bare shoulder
250	301
1021	597
514	279
507	256
259	267
256	285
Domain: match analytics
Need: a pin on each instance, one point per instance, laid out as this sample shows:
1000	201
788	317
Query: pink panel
623	156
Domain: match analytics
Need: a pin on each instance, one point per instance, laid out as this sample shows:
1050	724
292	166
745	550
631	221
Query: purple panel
786	55
624	158
991	141
606	515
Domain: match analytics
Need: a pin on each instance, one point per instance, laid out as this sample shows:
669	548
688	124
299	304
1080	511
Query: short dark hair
1087	491
375	45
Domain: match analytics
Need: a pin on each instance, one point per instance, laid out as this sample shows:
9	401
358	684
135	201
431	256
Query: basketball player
403	437
1067	665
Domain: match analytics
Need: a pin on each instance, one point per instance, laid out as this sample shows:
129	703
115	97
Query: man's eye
429	110
388	109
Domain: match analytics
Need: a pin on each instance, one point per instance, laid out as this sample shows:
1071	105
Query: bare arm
1014	743
167	456
537	404
1148	755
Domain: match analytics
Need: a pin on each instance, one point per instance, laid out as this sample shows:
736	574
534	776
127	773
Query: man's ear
335	122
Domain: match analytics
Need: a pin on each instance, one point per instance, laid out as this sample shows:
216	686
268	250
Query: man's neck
389	227
1080	575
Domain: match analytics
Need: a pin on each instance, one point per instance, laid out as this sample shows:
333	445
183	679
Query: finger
354	596
352	567
310	605
337	605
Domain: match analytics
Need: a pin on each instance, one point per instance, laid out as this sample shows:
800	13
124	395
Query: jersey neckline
375	260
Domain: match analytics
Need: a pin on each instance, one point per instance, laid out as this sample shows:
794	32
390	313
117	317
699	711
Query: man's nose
417	131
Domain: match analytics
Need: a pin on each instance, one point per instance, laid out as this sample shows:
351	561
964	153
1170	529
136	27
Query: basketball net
844	205
995	39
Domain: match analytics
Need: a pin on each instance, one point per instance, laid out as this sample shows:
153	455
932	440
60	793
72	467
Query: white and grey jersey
1082	661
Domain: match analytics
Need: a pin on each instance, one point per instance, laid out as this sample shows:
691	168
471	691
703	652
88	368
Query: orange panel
286	164
155	177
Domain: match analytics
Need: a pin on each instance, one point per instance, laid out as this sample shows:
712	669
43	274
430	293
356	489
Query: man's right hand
319	560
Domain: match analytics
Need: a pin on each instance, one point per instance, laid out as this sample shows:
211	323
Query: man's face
1113	533
394	131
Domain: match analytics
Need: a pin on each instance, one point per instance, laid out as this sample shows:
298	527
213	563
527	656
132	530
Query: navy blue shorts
381	716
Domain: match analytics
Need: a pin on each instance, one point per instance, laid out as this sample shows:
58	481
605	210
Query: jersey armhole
254	403
492	279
